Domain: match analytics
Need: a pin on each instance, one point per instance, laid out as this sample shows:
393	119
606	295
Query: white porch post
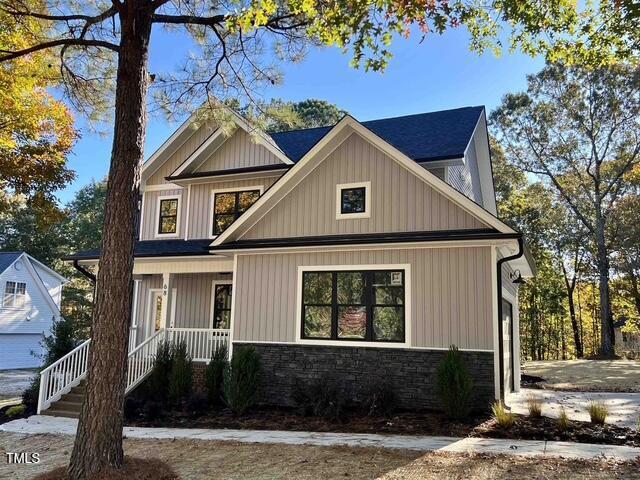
167	320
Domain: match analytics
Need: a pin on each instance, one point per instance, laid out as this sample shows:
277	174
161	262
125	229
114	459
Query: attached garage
16	351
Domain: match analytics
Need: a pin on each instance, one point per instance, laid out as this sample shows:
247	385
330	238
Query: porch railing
60	377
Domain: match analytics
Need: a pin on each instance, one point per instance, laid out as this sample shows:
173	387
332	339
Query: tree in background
578	130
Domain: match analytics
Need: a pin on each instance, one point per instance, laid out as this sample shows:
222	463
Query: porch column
167	300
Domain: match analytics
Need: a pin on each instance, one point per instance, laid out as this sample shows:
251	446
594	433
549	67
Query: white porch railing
60	377
201	343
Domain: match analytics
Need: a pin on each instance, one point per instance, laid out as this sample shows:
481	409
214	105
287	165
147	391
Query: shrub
152	410
241	379
563	421
380	399
16	411
132	407
503	417
181	377
30	396
323	397
598	412
61	341
214	375
454	384
157	385
534	405
197	404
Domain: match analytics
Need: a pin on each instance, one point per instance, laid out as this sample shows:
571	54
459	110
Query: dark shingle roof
155	248
7	258
422	137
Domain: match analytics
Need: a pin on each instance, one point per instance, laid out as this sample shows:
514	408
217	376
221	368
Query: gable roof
423	137
321	149
7	259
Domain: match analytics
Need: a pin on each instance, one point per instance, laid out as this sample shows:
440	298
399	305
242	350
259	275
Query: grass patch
503	417
534	406
598	412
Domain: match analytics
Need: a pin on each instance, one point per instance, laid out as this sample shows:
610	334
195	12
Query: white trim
38	280
44	267
349	122
149	321
214	191
367	201
452	162
177	196
494	322
214	284
367	345
408	297
186	221
134	308
162	187
15	295
141	216
233	305
215	135
515	340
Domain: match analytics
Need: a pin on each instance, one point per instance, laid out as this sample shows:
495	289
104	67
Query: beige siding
400	200
180	155
238	151
200	213
450	297
150	213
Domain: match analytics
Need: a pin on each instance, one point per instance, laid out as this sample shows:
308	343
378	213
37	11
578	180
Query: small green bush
380	399
598	412
30	396
152	410
241	379
454	384
323	397
181	377
16	411
197	404
503	417
157	385
214	375
563	421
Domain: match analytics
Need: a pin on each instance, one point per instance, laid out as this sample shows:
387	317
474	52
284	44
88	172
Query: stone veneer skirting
412	372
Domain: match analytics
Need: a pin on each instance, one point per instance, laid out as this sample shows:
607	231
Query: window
354	305
228	206
15	294
167	216
353	200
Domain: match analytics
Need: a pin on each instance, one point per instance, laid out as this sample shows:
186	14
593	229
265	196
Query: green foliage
380	399
598	412
502	416
16	411
241	379
214	375
181	376
157	384
61	341
323	397
563	421
455	385
30	395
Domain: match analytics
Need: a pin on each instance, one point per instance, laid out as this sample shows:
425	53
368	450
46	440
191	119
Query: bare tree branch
12	55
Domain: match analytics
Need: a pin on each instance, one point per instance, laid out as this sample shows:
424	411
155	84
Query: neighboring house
627	343
31	295
362	250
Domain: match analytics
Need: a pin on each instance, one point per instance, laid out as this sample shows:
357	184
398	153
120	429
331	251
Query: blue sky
436	74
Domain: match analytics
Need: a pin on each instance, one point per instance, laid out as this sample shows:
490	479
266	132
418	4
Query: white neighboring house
31	295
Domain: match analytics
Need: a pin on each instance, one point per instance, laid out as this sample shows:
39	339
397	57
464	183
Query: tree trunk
98	440
571	288
606	315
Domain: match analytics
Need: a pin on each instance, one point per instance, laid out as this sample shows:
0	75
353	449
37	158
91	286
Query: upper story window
354	305
168	212
228	206
353	200
15	294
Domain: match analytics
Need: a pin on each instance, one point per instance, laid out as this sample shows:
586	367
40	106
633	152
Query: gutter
84	271
500	331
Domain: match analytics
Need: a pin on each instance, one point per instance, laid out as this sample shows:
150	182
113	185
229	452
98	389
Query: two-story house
362	250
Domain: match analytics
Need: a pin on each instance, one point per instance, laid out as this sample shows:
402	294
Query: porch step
69	404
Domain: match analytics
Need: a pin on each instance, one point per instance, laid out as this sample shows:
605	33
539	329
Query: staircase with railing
61	383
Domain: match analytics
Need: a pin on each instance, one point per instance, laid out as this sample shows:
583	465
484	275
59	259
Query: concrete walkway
624	408
64	426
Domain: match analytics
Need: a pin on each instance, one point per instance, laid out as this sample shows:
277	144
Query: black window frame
217	310
236	207
369	304
364	200
161	216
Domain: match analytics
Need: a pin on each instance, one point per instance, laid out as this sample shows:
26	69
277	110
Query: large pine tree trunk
98	441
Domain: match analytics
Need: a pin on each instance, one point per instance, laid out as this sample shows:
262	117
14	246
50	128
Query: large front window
228	206
354	305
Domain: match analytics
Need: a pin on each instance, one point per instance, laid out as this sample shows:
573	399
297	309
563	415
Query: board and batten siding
238	151
451	300
150	213
400	201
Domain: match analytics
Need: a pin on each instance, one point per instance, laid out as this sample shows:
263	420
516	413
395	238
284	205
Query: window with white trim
228	206
168	216
364	305
353	200
15	294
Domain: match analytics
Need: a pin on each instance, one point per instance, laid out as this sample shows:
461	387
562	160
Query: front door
154	312
221	305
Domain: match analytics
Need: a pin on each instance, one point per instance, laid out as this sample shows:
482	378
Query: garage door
15	350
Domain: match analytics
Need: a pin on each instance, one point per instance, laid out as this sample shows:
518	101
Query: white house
31	295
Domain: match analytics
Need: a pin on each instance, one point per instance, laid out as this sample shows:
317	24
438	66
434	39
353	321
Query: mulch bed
544	428
405	423
3	415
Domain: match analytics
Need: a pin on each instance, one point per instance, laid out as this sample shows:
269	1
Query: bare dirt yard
216	460
587	375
